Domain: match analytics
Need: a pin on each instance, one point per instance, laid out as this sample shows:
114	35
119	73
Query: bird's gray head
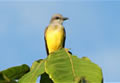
58	19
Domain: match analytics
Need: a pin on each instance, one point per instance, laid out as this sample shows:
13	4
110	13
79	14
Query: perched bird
55	34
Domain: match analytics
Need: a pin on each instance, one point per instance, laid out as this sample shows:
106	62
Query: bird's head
58	18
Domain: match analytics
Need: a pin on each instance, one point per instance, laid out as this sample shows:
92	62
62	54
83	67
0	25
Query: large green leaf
13	73
62	67
36	70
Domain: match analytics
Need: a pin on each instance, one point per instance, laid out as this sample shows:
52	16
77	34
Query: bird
55	34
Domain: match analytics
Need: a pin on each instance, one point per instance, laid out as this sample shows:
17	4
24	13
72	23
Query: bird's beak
65	18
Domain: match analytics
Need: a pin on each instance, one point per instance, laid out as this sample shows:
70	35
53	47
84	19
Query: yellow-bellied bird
55	34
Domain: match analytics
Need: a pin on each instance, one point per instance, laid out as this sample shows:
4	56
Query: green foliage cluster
58	67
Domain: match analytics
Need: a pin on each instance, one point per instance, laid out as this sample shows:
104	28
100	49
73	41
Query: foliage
12	74
58	67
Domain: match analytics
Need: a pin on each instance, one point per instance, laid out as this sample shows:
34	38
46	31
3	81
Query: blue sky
93	30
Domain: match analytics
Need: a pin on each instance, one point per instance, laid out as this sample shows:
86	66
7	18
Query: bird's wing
46	41
64	37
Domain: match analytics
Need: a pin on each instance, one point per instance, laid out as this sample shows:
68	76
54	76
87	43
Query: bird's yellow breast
54	38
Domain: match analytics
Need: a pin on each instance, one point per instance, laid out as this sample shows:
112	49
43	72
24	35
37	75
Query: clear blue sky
93	30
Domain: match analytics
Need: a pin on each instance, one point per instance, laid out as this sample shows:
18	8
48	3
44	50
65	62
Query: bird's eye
57	18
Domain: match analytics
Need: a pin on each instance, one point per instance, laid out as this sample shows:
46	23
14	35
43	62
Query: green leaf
36	70
65	68
13	73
